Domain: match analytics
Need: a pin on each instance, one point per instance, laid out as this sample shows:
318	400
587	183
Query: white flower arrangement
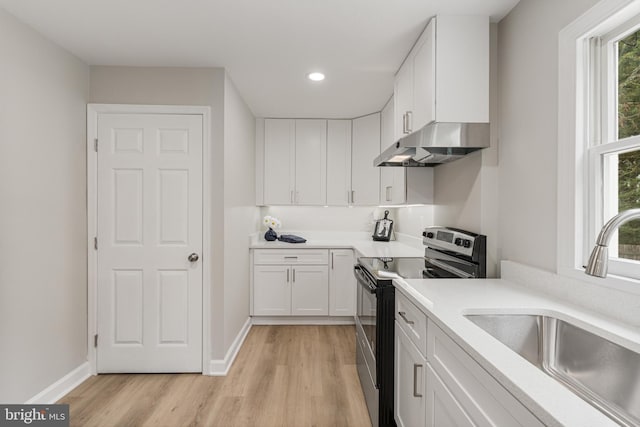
271	222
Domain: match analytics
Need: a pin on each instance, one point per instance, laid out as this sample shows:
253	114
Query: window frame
580	104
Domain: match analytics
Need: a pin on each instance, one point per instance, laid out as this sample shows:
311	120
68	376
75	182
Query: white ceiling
267	46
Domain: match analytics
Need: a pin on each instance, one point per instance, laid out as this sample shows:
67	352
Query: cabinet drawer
291	256
484	399
412	321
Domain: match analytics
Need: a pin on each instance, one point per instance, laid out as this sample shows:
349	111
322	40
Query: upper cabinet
338	162
445	77
400	186
317	162
311	162
294	162
279	165
365	178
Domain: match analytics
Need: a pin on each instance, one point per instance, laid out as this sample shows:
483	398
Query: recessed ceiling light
315	76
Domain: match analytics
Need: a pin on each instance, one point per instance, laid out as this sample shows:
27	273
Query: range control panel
449	239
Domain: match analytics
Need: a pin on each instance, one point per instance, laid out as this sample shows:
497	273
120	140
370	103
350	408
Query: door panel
309	290
311	162
149	221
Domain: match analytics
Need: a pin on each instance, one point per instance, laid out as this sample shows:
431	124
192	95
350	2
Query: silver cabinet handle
193	257
332	260
353	196
294	275
415	380
287	275
290	257
409	121
388	190
404	123
404	317
348	197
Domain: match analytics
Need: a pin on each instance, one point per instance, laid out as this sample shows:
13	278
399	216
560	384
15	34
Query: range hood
436	143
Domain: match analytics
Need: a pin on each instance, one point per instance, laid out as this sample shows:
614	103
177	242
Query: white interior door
149	225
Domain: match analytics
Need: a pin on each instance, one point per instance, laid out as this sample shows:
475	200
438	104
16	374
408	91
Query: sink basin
603	373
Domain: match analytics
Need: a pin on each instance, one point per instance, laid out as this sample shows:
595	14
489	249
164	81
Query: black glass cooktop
386	268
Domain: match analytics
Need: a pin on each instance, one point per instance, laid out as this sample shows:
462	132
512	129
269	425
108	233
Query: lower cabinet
309	290
479	397
272	290
443	410
342	283
282	290
447	388
303	282
410	386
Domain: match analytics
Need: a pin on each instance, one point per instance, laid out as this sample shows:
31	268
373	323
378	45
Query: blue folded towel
291	238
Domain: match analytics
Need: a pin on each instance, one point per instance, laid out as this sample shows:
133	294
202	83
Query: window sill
618	283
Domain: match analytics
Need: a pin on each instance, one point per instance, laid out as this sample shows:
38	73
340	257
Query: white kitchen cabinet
400	185
443	410
294	168
445	77
338	162
310	162
342	283
410	381
387	137
290	282
403	96
271	290
309	290
365	178
279	166
459	389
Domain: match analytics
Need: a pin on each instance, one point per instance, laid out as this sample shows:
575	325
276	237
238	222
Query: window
615	149
599	139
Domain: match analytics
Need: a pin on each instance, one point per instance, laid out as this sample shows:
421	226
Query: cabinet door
338	162
387	135
309	290
311	162
442	409
342	283
409	388
403	96
424	78
365	178
279	155
271	290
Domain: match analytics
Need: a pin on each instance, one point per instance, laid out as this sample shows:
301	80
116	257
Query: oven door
366	310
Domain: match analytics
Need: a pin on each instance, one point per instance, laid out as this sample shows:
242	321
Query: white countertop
446	301
363	247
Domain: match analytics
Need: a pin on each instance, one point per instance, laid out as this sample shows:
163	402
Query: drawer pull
404	317
415	380
291	257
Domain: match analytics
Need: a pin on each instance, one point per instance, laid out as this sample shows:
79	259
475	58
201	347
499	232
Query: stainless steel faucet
600	255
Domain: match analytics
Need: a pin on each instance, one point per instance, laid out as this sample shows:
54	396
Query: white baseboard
303	320
64	385
220	367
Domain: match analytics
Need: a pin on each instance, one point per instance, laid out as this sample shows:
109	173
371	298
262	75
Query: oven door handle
364	282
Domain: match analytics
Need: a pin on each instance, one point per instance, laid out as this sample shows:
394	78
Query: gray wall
240	210
208	87
43	238
528	112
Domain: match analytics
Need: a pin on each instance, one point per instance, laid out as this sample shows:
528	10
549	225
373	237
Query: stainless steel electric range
449	253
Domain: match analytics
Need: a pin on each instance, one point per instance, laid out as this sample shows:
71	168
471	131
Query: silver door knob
193	257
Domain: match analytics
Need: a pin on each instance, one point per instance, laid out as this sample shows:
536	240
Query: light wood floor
283	376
